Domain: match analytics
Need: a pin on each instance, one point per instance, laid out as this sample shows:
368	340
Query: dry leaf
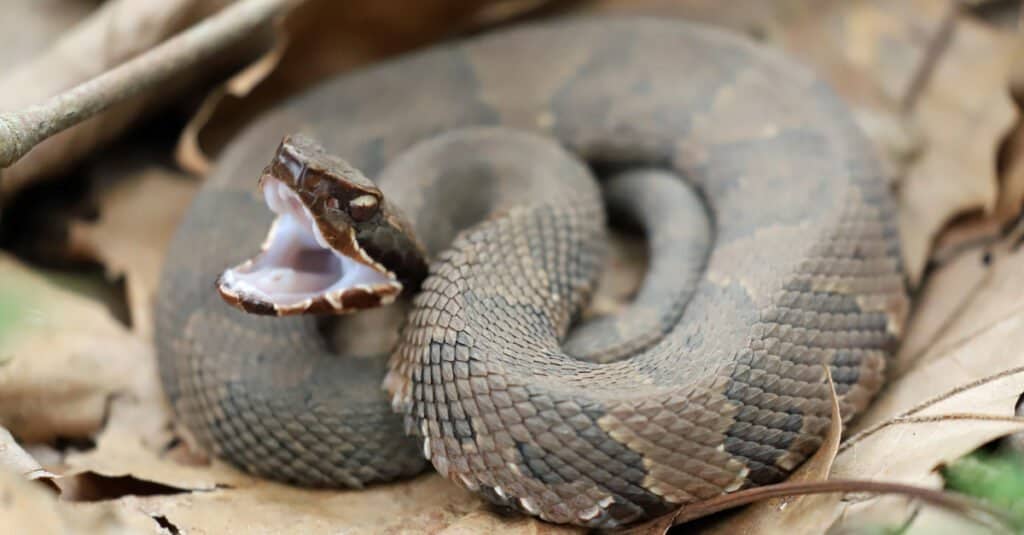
137	441
29	507
138	216
426	504
116	31
1012	162
63	357
964	111
1011	194
960	394
226	500
16	460
483	522
910	447
994	350
968	295
899	514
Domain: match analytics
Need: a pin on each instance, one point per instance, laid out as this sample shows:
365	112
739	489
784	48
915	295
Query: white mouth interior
297	264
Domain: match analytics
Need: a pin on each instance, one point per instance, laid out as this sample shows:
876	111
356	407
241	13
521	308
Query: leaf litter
930	83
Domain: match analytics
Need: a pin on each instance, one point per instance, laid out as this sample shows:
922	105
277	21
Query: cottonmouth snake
730	393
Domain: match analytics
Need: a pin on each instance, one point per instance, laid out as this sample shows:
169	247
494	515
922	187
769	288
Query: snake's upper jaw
300	271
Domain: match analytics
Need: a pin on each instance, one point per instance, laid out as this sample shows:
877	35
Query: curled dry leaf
63	356
969	296
912	449
138	216
1011	195
959	394
116	31
909	446
964	110
29	507
15	459
1012	180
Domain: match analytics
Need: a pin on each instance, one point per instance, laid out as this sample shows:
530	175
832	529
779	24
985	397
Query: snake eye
362	207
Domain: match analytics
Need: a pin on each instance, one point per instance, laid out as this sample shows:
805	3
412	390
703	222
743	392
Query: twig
968	507
20	131
978	511
933	52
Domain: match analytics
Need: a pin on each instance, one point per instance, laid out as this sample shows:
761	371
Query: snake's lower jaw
298	272
343	301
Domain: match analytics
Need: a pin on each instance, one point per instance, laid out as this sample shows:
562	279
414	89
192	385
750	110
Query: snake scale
724	387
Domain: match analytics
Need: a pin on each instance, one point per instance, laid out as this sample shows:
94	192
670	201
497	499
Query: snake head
336	246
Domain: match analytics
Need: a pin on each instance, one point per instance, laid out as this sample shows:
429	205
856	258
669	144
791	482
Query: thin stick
956	503
937	45
22	130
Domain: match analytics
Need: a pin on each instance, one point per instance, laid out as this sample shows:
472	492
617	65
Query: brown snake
724	385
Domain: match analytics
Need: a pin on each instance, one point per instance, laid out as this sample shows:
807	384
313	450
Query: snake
493	158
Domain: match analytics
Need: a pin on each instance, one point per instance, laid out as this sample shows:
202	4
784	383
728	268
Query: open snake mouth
298	271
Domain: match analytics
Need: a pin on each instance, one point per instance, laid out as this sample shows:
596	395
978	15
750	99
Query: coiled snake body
728	392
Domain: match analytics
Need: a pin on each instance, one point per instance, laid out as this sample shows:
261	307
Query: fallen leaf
1012	180
483	522
426	504
910	447
19	461
1011	194
138	442
971	293
899	514
964	110
225	500
63	357
138	216
958	394
992	351
29	507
